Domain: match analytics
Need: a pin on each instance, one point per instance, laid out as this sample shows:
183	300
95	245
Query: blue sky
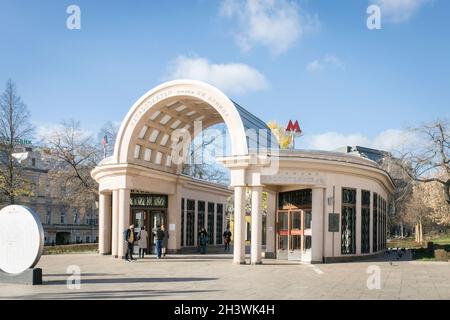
312	60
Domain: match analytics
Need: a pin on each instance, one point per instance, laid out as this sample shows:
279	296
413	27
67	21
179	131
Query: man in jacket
159	238
130	237
227	239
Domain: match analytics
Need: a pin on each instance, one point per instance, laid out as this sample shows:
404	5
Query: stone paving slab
208	277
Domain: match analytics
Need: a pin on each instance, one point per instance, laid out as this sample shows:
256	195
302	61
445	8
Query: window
48	216
201	218
375	223
365	221
182	222
248	234
88	239
348	222
190	220
219	223
298	198
63	218
308	219
33	162
76	217
211	221
382	215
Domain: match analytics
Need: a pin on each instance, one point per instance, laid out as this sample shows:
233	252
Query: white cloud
45	131
397	11
232	78
388	140
275	24
329	61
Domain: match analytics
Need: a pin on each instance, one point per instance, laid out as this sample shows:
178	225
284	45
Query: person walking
203	239
165	240
130	238
159	238
142	242
227	239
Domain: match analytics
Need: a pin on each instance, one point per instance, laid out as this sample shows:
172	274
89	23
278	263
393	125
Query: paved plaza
198	277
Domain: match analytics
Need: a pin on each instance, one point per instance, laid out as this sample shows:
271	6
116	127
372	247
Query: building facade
63	224
321	206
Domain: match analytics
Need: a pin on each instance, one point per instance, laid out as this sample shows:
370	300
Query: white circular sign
21	239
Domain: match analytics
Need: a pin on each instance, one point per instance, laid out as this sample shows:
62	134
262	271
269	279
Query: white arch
180	88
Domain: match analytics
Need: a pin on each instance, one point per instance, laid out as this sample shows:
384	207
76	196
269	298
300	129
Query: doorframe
289	209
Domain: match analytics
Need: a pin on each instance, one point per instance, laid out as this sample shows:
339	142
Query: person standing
165	240
130	238
159	238
203	237
227	239
142	242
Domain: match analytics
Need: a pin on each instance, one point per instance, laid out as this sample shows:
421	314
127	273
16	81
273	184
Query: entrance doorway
294	234
151	219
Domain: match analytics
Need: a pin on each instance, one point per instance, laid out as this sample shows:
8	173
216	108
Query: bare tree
430	160
199	167
76	156
14	128
109	130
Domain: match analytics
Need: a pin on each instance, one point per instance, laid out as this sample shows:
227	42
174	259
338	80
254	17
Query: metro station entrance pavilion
321	206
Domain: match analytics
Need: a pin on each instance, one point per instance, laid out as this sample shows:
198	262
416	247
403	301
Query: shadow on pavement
127	280
127	294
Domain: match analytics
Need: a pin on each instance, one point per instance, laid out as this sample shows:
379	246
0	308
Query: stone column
318	199
115	224
104	234
124	219
239	226
256	240
270	225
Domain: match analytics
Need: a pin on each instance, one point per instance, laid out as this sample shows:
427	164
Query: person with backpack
130	237
227	239
159	238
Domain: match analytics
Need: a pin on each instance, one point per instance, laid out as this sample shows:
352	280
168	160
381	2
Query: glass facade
348	222
190	223
210	230
219	223
182	222
200	218
298	199
365	221
206	217
375	223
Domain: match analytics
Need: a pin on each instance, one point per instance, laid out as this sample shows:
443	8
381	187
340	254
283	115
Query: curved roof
173	109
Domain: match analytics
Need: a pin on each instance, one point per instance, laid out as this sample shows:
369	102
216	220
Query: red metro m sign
293	129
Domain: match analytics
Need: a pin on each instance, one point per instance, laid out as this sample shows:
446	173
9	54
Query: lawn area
420	251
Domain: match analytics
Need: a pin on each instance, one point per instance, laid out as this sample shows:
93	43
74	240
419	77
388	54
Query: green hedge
71	248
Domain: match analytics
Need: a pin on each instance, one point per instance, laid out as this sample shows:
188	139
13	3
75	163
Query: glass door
282	234
139	219
306	252
157	219
296	235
